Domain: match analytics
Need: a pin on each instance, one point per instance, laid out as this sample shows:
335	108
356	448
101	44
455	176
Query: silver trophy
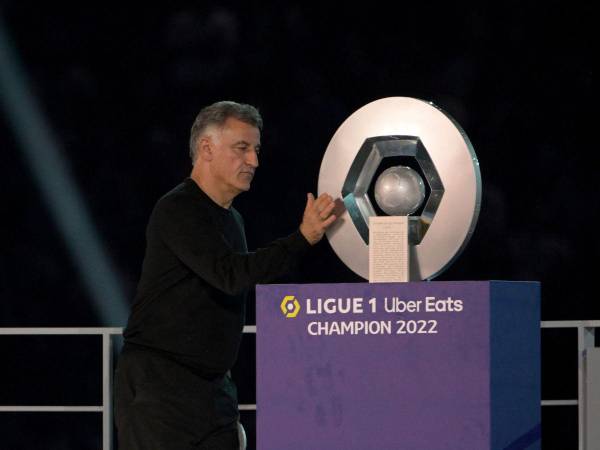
403	156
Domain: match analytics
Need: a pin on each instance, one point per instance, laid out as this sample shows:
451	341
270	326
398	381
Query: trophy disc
407	129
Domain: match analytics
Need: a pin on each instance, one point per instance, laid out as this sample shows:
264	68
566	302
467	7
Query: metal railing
585	340
107	375
106	408
586	334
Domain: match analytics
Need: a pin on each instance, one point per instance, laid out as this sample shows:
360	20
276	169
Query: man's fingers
329	221
318	216
322	201
324	214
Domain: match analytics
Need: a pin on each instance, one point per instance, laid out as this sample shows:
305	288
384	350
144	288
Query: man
172	389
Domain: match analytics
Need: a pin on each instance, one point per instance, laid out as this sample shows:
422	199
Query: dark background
120	87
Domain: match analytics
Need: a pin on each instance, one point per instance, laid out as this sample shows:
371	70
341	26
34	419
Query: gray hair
217	114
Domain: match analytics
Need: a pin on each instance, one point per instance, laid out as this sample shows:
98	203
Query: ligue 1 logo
290	307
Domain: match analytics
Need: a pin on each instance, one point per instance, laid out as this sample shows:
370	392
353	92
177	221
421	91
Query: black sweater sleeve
191	234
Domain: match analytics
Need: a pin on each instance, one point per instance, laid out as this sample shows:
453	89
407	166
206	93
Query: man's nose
252	158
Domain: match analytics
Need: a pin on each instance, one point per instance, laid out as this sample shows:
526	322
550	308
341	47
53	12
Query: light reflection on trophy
402	156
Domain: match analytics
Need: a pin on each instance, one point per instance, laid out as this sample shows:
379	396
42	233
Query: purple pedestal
432	365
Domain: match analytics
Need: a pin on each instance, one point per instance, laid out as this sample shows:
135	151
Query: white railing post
585	340
106	391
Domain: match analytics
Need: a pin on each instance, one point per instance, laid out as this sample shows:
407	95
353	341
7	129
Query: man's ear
205	148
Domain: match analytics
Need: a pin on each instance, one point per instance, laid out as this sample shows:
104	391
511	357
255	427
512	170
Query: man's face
235	156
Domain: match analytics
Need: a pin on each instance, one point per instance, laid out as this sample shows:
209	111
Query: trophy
402	158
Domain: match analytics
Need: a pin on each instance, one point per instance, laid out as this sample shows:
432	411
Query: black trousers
162	405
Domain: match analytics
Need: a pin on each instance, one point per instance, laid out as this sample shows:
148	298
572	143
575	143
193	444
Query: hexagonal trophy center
374	156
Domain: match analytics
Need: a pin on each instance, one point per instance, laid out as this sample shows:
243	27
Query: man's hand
317	217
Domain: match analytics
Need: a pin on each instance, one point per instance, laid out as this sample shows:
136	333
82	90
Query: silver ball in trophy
399	191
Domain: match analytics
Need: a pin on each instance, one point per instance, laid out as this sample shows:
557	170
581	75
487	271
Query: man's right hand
317	217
